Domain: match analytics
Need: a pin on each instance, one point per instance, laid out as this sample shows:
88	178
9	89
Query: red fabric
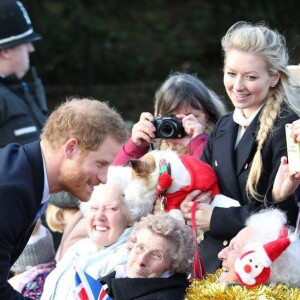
164	182
128	151
196	145
275	248
260	279
199	271
131	150
203	178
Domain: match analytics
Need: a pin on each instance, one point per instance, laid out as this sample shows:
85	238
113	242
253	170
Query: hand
285	182
143	131
204	210
191	125
295	129
203	216
192	128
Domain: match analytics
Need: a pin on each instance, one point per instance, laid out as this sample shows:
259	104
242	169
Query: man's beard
74	181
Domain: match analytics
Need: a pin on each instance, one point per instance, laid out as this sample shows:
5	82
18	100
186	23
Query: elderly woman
109	220
268	246
160	257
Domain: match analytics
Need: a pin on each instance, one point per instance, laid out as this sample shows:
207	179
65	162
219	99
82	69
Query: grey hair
267	224
179	234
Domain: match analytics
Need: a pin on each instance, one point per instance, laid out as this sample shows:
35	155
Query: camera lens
167	129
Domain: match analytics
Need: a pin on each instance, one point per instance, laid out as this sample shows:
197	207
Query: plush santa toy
254	266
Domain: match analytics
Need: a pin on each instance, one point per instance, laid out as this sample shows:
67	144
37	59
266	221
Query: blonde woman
246	145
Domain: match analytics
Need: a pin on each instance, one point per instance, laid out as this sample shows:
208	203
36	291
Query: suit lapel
225	159
246	148
34	154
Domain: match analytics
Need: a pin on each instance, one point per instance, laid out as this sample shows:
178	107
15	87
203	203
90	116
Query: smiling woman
246	146
109	218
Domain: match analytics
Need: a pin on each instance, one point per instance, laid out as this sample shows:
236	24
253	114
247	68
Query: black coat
232	167
21	114
21	193
172	288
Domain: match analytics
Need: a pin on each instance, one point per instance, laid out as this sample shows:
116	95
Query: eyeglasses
156	255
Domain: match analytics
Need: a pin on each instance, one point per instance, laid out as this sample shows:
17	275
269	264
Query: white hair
118	177
267	224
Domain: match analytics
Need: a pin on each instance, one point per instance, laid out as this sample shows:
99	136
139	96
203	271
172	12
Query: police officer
23	106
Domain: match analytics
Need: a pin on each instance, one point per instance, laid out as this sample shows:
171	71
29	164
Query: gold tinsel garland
210	288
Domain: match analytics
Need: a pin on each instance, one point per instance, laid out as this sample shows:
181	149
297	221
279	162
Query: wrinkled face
84	170
231	253
246	80
150	256
178	144
20	62
107	218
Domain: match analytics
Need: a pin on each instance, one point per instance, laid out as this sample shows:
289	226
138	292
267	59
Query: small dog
169	177
166	177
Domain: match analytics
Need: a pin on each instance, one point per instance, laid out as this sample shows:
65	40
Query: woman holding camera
192	106
246	146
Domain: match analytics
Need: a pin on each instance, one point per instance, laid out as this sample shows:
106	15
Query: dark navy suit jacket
21	192
232	167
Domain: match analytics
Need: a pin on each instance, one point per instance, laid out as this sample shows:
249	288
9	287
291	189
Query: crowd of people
61	173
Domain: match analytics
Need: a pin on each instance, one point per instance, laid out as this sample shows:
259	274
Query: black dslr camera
168	127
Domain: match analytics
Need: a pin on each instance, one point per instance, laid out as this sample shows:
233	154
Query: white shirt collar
238	117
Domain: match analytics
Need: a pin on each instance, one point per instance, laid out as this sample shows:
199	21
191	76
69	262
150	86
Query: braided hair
264	42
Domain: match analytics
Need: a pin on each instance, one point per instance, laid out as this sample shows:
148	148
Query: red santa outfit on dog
202	177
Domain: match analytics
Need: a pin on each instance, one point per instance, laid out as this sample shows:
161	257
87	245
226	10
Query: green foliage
88	43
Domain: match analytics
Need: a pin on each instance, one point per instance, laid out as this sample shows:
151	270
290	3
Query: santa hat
271	251
253	267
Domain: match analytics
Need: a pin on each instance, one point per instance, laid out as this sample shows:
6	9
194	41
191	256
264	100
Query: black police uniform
22	111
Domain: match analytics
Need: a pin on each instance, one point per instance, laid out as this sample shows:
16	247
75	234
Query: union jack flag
88	288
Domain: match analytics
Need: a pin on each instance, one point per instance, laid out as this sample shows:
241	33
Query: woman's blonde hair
271	46
55	217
